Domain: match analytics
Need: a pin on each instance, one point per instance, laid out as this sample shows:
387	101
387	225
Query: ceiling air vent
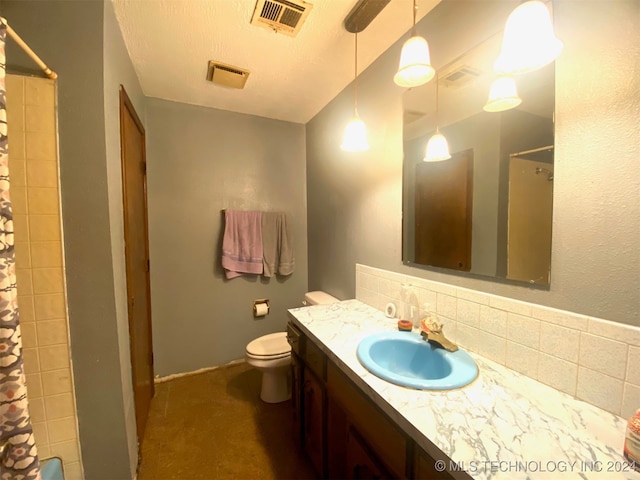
281	15
459	76
227	75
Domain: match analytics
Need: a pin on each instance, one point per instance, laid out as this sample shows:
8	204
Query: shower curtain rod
47	71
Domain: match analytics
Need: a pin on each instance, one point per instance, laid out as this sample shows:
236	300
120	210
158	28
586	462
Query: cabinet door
296	396
337	427
424	467
361	462
313	420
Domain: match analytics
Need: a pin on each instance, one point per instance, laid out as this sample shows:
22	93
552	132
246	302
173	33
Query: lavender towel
242	243
277	244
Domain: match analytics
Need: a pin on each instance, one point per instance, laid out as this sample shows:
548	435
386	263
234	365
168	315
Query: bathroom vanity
353	424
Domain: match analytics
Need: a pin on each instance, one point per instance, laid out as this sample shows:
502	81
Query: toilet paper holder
261	307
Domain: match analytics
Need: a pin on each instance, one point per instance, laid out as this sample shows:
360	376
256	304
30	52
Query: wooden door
134	188
444	211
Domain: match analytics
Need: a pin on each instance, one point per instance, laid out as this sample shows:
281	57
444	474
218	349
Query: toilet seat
269	347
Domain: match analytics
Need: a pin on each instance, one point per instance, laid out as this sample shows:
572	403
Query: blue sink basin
406	359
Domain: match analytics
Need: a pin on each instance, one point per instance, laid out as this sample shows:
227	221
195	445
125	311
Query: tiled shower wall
33	171
592	359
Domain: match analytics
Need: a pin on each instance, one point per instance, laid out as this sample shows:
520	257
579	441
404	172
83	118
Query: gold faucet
431	329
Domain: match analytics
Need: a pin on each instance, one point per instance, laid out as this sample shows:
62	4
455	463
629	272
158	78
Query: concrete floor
213	425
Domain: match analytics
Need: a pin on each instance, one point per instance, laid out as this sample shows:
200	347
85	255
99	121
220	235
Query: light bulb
529	42
437	148
355	136
415	63
503	95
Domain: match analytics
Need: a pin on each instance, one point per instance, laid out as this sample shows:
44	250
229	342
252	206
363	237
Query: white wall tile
522	359
473	296
428	299
557	373
559	341
446	305
467	338
523	330
390	289
600	390
370	282
586	357
615	331
442	288
493	320
633	366
560	317
492	347
603	355
468	312
630	400
509	305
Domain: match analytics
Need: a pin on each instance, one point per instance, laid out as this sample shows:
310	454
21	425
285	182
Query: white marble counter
504	425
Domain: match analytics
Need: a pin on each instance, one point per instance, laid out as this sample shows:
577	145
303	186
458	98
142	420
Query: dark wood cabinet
313	420
344	433
361	462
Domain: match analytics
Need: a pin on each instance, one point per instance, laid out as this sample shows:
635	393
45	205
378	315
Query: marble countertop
504	425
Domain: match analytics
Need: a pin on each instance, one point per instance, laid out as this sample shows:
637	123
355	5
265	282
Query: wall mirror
486	212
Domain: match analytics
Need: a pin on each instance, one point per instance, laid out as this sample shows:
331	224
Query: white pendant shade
503	95
529	41
415	63
355	136
437	148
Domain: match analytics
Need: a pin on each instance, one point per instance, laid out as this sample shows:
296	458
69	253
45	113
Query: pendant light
503	95
355	134
529	41
437	146
415	62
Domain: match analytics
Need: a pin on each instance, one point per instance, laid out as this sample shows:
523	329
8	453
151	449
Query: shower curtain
18	454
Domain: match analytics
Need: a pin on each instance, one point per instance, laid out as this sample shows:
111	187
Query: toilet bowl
271	354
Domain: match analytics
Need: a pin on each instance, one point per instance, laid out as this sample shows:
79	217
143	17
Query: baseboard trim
173	376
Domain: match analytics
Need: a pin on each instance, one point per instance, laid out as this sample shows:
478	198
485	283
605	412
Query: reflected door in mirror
444	211
530	219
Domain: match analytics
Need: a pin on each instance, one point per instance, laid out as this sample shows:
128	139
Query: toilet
272	355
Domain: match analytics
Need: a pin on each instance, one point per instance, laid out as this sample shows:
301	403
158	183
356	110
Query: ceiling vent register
227	75
282	16
460	75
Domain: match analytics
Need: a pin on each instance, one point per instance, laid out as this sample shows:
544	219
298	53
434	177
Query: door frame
125	103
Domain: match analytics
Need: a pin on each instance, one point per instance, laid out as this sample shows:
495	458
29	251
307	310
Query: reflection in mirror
487	211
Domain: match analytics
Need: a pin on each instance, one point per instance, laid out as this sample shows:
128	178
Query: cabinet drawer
314	359
384	437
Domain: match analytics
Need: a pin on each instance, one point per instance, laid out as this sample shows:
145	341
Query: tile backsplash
594	360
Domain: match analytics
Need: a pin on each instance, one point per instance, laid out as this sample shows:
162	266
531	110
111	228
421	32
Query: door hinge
148	265
144	168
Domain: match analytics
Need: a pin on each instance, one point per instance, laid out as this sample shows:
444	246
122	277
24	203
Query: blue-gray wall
201	160
355	200
79	41
119	73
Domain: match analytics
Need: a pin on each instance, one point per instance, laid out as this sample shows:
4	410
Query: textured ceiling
170	43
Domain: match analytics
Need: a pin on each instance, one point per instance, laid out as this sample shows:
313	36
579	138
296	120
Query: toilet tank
318	298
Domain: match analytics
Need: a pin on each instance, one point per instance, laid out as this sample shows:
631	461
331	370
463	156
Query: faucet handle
430	324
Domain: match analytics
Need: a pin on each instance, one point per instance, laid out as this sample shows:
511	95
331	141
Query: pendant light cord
415	11
355	81
437	82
